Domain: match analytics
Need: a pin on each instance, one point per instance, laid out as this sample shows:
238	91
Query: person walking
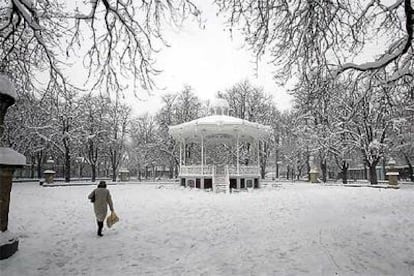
101	198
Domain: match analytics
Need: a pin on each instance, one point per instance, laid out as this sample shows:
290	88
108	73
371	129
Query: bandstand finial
219	107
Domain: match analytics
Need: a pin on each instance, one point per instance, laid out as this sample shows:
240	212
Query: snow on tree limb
35	33
302	37
125	44
403	44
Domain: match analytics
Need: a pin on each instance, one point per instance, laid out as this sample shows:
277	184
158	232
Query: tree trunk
32	166
411	172
177	171
287	171
93	169
114	164
365	171
39	161
80	170
262	171
139	173
67	164
277	171
171	172
410	167
373	173
344	168
276	162
299	174
323	169
113	173
308	167
106	168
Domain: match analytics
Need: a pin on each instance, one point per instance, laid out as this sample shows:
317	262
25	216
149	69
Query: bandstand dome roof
221	127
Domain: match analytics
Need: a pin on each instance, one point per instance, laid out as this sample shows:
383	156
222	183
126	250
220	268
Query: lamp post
80	160
49	173
153	163
344	170
392	173
124	174
278	164
313	173
9	161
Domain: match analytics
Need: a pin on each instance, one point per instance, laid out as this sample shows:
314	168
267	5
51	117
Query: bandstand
220	140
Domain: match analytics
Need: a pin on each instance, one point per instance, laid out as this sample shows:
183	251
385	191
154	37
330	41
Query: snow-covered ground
294	229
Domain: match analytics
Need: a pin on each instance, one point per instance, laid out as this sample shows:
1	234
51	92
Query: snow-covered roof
11	157
217	125
49	172
7	87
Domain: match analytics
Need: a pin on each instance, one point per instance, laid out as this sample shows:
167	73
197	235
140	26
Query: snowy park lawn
294	229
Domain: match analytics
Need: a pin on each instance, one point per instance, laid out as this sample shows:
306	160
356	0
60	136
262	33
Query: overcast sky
208	60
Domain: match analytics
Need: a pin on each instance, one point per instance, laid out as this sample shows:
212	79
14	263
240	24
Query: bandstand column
238	157
258	155
202	155
258	163
185	152
202	162
181	153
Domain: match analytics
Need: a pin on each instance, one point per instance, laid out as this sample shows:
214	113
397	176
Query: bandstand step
221	187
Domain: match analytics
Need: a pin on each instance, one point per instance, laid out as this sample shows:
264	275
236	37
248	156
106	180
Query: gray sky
208	60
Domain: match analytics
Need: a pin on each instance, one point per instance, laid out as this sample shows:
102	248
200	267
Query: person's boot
100	226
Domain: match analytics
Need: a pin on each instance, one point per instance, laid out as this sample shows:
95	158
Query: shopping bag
111	219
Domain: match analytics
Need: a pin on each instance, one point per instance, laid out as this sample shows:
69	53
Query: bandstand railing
244	170
194	170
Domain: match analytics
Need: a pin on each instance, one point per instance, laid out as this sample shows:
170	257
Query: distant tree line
95	135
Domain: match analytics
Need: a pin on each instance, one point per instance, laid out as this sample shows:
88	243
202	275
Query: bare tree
145	142
29	36
167	145
250	102
22	123
38	35
94	112
117	128
308	36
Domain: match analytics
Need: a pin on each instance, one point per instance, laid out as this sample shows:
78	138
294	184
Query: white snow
11	157
392	173
7	87
7	238
49	171
295	229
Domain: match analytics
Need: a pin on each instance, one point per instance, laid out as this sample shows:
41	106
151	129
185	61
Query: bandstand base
206	183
